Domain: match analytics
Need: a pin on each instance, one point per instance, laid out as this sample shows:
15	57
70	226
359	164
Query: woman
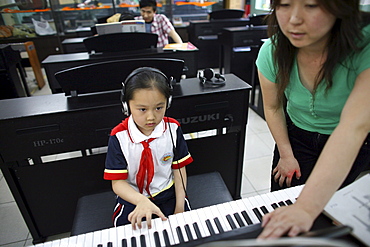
318	59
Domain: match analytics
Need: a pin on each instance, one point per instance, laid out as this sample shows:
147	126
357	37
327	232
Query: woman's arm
144	207
331	168
180	179
275	118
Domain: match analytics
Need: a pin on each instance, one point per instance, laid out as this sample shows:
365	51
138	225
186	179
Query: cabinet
73	18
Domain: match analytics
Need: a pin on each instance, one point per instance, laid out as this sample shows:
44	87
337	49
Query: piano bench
94	212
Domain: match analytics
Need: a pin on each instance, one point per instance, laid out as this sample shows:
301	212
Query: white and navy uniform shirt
125	148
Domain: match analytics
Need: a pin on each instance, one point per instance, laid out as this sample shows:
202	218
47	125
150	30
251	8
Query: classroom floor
255	180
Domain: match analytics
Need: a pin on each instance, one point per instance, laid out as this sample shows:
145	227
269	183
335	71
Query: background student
318	58
147	153
157	23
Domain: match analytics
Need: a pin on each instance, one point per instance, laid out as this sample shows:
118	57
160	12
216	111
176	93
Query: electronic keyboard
239	219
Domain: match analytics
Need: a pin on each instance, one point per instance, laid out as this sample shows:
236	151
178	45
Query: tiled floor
257	160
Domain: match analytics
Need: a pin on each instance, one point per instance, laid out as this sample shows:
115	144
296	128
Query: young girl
318	57
147	153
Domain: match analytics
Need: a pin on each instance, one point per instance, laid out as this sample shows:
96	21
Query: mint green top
320	112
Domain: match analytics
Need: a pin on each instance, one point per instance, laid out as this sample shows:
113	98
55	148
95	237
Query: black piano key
231	222
166	238
288	202
110	244
264	210
210	228
246	217
197	231
218	224
142	241
156	239
274	206
133	242
100	245
179	234
188	232
239	219
124	242
258	214
281	204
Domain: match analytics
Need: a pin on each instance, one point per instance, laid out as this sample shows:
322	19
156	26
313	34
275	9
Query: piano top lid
59	103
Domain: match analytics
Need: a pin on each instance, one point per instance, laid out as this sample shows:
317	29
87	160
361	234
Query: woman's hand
290	220
285	171
145	208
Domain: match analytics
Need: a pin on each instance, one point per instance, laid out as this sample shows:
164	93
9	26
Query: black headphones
125	106
206	78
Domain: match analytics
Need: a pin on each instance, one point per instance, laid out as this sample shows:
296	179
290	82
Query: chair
258	20
118	42
106	76
226	14
94	212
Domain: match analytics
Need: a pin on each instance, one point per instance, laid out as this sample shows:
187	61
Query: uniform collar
136	136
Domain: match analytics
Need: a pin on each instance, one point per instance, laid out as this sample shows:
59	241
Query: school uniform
125	147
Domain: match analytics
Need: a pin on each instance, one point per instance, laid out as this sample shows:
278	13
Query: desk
73	45
203	34
55	63
243	44
34	129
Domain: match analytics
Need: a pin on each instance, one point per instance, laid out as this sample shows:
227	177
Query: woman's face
305	23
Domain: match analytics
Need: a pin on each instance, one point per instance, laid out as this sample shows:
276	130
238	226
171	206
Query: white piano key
97	238
72	241
249	207
237	209
157	227
128	233
113	236
188	220
120	234
243	208
221	215
80	240
166	226
55	243
46	244
207	211
105	237
267	202
201	225
63	242
202	217
145	231
174	224
89	239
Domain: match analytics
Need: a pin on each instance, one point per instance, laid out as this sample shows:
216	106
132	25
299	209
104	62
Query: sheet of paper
351	206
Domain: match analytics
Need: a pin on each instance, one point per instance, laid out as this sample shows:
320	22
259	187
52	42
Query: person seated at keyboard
157	23
318	59
147	153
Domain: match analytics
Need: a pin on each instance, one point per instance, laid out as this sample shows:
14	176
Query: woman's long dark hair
342	42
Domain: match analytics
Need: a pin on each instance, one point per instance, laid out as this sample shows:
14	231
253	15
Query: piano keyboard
191	228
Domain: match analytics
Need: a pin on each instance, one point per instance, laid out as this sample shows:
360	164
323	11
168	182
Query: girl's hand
290	220
285	170
145	208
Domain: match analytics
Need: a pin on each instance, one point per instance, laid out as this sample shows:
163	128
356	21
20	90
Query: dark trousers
166	201
307	147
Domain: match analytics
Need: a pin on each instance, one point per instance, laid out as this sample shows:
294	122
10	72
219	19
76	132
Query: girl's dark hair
146	78
342	42
148	3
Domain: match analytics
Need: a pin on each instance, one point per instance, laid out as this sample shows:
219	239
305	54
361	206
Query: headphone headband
125	106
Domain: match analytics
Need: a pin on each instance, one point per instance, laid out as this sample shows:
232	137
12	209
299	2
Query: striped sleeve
182	157
115	162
